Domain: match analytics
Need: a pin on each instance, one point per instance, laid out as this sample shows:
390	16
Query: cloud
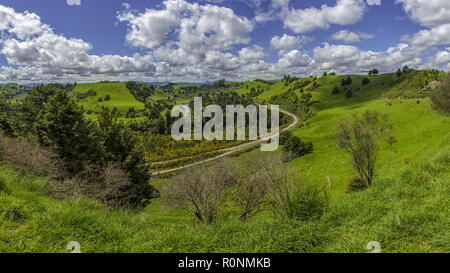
38	51
197	26
351	37
427	12
288	42
345	12
73	2
374	2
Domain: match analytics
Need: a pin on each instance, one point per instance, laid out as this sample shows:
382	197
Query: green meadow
407	209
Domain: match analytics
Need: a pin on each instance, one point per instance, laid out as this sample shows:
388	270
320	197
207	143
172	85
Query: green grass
407	211
121	97
419	130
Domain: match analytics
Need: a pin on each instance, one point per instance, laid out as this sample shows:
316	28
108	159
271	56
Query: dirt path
231	150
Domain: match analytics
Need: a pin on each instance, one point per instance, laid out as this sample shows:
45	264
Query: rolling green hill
406	209
13	91
121	97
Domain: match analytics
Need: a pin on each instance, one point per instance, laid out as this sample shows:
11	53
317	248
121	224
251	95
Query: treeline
55	120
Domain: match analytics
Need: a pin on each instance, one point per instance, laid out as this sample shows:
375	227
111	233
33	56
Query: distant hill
13	91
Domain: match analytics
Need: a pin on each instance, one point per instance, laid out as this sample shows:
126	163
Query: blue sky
195	41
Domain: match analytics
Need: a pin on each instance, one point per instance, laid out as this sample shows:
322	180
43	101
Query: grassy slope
406	212
120	96
407	209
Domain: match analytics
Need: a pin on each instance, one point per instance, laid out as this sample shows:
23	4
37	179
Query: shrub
356	184
291	197
347	81
336	90
199	190
109	184
361	138
441	95
295	147
365	81
284	136
107	97
29	156
349	94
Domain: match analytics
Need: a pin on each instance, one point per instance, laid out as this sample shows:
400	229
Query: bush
361	138
110	184
365	81
441	96
107	97
284	137
291	197
356	184
29	156
349	94
347	81
336	90
295	147
199	190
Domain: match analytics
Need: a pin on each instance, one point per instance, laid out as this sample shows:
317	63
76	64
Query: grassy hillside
406	211
121	97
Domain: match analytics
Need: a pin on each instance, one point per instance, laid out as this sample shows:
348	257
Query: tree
284	137
324	74
360	138
399	73
107	97
295	147
122	146
365	81
347	81
373	72
61	124
406	69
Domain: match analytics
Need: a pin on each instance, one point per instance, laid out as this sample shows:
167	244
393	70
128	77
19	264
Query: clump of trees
373	72
294	147
89	93
441	95
347	81
57	122
361	138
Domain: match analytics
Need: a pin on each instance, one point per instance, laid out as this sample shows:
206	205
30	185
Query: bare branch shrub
251	189
110	184
200	189
361	138
29	156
